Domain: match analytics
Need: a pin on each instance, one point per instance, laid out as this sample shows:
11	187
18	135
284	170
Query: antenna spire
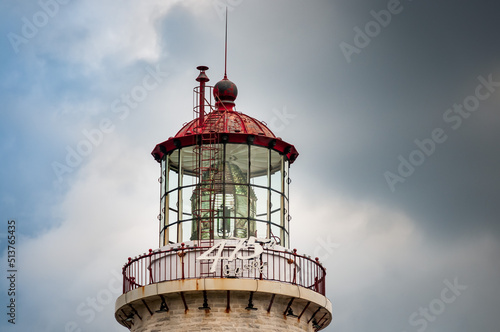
225	51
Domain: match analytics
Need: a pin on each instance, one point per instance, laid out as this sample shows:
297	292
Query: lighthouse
224	262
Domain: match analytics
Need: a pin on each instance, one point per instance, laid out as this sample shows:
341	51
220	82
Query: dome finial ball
225	91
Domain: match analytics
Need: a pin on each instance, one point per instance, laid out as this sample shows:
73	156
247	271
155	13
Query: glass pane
260	181
172	201
188	180
163	177
172	233
261	202
287	244
162	238
163	222
172	216
174	159
231	223
234	174
172	179
262	230
286	177
275	202
179	231
223	225
237	159
259	161
252	228
187	194
179	205
276	175
194	230
188	163
236	201
275	217
241	228
285	239
276	234
186	231
286	212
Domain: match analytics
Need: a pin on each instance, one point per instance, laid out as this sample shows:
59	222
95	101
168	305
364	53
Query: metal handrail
182	263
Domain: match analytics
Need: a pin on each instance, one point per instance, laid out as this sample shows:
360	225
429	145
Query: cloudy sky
393	107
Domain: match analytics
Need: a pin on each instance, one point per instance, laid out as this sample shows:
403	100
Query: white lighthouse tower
224	261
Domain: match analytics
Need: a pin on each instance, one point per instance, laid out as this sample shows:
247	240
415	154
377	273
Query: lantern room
224	174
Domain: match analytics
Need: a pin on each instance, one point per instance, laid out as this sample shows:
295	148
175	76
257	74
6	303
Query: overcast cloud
393	107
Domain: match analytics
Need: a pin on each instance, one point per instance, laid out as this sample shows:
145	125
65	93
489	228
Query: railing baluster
170	264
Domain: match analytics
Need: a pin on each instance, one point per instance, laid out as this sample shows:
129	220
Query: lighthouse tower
224	261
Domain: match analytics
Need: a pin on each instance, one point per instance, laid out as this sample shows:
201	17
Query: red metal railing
183	263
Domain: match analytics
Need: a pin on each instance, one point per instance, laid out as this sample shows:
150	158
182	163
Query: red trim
173	143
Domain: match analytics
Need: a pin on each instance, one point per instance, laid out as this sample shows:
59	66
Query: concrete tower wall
218	318
228	301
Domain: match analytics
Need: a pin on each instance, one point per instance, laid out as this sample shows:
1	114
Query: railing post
320	278
124	279
151	279
132	282
181	255
261	267
294	266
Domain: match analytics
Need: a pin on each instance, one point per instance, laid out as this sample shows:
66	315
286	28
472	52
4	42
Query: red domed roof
222	121
224	125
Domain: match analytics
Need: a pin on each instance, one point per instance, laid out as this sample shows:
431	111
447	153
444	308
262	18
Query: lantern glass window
222	191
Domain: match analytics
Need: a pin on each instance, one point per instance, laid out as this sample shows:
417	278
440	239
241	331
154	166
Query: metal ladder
209	170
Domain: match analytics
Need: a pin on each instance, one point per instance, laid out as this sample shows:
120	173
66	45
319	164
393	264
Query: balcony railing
183	263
